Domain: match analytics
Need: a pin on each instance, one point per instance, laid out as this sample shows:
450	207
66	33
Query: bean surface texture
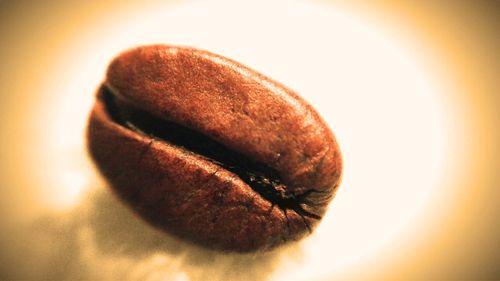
210	150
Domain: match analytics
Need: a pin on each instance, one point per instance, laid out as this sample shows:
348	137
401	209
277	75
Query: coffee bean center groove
263	179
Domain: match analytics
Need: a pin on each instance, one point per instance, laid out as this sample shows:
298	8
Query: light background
410	90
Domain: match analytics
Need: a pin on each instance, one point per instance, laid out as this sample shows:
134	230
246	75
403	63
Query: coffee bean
210	150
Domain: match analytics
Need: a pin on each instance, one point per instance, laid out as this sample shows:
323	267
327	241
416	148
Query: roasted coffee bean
210	150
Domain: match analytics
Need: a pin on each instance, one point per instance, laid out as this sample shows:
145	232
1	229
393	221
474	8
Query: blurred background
410	89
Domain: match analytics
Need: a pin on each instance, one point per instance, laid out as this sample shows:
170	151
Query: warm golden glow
410	107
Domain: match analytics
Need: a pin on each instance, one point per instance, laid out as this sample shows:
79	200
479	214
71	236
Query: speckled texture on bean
185	193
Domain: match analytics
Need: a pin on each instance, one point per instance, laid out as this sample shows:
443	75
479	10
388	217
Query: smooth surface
410	92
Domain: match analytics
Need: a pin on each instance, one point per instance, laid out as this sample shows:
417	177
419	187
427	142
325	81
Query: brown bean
210	150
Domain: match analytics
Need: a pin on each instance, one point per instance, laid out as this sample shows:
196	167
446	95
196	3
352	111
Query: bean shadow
118	231
102	239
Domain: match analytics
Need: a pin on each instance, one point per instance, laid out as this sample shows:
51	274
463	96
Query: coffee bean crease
261	178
